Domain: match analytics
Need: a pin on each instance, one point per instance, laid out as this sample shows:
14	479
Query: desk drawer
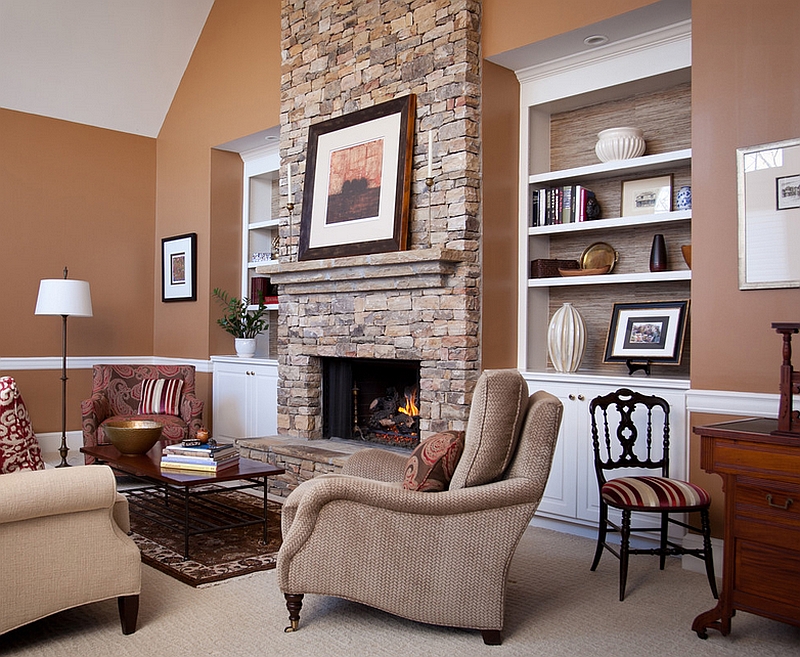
767	511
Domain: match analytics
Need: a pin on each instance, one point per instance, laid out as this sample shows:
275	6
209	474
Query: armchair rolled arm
97	407
377	464
393	498
40	493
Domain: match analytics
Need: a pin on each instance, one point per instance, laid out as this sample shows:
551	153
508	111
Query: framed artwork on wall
357	189
179	268
769	215
647	196
649	331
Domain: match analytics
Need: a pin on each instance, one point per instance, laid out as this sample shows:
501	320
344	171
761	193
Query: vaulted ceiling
114	64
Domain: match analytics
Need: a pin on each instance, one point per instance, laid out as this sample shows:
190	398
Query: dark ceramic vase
658	254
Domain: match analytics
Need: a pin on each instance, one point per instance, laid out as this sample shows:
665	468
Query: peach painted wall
746	63
509	24
230	89
82	197
500	132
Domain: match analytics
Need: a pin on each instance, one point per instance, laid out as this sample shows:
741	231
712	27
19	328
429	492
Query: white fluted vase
566	339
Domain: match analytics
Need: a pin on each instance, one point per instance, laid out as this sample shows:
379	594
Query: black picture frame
179	268
648	332
356	196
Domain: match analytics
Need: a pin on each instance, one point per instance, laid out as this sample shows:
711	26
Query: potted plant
243	324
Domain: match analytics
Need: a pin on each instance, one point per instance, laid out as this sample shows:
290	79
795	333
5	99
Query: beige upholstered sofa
63	537
435	557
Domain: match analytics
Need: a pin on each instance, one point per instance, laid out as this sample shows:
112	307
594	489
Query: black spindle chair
630	431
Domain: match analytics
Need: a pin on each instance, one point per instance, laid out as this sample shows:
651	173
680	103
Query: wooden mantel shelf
418	268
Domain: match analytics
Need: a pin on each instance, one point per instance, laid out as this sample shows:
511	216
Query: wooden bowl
686	249
133	436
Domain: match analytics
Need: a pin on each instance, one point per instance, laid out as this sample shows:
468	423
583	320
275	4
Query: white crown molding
86	362
677	34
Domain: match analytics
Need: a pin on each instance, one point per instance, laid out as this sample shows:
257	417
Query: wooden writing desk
760	471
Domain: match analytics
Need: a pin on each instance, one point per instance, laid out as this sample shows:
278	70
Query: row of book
203	457
551	206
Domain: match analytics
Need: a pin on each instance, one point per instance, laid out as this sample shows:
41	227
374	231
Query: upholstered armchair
122	392
433	557
63	537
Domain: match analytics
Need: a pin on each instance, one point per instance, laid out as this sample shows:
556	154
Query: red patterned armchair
117	395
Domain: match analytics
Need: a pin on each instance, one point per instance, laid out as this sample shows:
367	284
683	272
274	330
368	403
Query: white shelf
269	223
606	169
613	222
612	279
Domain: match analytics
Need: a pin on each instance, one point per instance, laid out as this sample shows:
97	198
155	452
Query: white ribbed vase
619	144
566	339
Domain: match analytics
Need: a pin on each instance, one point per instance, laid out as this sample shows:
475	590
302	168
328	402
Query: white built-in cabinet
245	397
643	82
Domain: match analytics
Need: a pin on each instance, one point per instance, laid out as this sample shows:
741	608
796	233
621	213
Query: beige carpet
556	607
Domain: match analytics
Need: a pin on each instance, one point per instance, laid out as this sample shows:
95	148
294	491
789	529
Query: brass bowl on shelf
133	436
686	250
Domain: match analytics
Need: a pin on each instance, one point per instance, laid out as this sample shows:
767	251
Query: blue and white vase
684	198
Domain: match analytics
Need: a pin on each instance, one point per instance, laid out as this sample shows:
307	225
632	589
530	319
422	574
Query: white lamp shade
64	296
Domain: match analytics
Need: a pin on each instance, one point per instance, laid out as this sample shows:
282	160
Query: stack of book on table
201	458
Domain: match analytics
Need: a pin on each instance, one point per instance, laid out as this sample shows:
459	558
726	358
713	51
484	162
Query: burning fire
410	407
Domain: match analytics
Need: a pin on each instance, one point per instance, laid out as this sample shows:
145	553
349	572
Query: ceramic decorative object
683	201
566	339
245	347
686	250
619	144
133	436
658	254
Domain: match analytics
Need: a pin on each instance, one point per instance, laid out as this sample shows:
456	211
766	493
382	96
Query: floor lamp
65	297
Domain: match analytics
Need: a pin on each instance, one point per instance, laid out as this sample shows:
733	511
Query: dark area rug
215	556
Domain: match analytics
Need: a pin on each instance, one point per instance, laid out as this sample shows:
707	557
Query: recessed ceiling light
596	40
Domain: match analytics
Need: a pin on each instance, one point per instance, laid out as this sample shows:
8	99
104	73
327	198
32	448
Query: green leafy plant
238	320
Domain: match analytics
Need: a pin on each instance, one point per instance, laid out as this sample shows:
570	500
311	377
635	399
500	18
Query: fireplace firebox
371	400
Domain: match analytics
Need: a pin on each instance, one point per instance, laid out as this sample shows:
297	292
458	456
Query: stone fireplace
419	305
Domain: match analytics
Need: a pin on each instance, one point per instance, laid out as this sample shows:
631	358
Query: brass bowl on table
133	436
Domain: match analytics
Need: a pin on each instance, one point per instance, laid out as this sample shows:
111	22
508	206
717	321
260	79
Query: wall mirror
769	215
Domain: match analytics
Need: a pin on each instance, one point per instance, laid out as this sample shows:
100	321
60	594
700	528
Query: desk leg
715	618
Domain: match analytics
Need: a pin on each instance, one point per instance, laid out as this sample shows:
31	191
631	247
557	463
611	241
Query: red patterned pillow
432	463
19	449
161	397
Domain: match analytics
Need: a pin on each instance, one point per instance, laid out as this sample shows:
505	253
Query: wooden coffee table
177	499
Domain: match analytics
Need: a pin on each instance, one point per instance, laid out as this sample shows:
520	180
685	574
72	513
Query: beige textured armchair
63	537
433	557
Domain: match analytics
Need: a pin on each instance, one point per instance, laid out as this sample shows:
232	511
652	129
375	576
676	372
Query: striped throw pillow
161	397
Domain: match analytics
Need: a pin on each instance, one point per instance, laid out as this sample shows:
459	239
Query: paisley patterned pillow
432	463
19	449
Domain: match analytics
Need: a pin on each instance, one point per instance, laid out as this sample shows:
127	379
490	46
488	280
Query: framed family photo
179	268
356	198
769	215
650	331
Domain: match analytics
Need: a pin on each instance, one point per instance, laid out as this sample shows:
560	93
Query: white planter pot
566	339
619	144
245	347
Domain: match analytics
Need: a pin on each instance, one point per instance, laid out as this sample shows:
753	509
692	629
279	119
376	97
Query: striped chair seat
653	493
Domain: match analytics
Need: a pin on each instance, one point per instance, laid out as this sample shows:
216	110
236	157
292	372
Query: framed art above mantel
356	197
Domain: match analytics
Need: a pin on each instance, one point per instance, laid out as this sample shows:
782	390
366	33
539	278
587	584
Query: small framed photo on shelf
179	268
651	331
646	196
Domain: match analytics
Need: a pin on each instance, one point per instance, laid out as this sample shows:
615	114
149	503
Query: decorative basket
546	268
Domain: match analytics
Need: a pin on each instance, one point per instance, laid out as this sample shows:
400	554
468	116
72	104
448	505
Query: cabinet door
230	400
263	401
559	496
